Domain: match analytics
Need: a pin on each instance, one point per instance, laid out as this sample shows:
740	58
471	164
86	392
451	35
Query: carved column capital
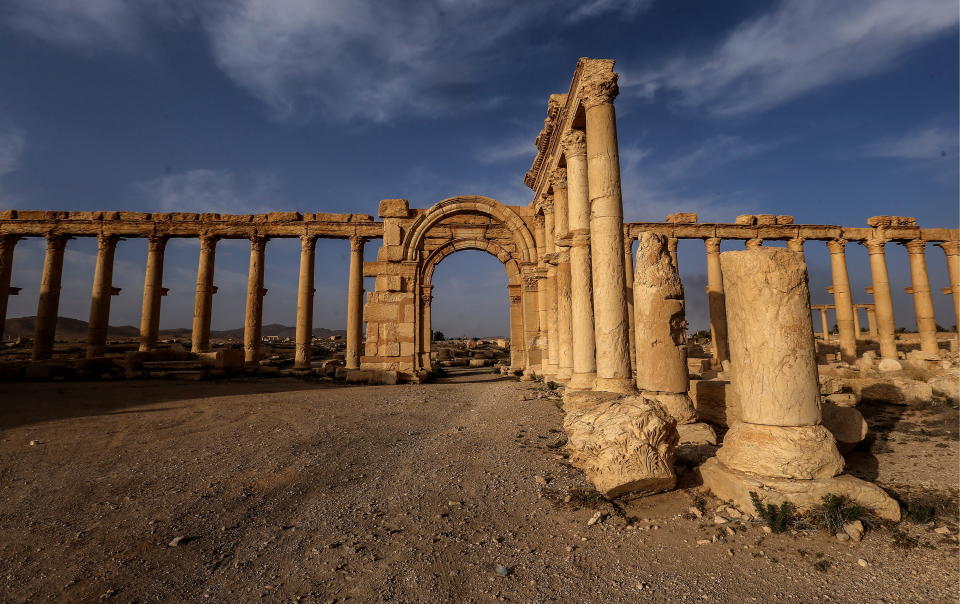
56	241
258	241
530	283
208	242
538	220
712	244
106	242
874	246
627	244
356	244
308	242
574	142
915	246
516	299
156	243
558	178
598	88
950	248
795	244
426	299
837	246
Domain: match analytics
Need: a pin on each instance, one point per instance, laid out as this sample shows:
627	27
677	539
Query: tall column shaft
631	317
304	333
882	299
253	318
716	302
598	89
582	331
564	306
426	321
542	302
872	322
843	300
7	243
824	325
100	296
856	321
152	291
517	348
922	297
952	251
48	304
203	296
531	325
355	303
553	343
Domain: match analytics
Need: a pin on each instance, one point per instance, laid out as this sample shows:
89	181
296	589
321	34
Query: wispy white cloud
12	144
922	144
711	154
212	191
508	151
797	47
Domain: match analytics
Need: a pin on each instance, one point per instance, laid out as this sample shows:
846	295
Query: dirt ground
288	491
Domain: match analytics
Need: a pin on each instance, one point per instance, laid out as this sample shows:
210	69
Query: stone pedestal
780	449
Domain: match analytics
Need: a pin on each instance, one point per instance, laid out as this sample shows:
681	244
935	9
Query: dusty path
284	491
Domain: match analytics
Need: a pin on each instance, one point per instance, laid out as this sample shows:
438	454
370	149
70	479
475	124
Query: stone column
100	296
882	299
824	324
922	298
796	244
661	328
856	321
715	300
779	449
952	251
628	276
598	88
305	291
203	296
871	321
253	319
842	300
517	348
531	326
542	302
426	321
48	304
7	243
581	281
152	292
355	303
552	366
564	334
672	243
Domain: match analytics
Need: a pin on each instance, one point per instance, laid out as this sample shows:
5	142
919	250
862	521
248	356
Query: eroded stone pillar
552	367
531	326
564	337
628	275
426	321
305	291
581	281
715	300
100	296
48	304
871	321
922	298
825	326
951	250
856	321
598	88
152	292
7	243
517	345
672	243
253	318
355	303
779	450
843	300
882	299
203	295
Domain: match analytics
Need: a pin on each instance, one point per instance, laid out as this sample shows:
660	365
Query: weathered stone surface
887	221
394	208
730	485
947	386
623	446
714	402
802	452
846	424
677	404
887	365
682	218
699	433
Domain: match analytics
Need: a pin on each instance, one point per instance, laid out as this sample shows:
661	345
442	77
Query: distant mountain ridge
75	329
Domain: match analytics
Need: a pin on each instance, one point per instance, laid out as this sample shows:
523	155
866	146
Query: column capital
598	88
530	283
546	203
107	242
915	246
752	244
308	242
426	299
208	242
356	244
796	244
574	142
712	244
258	241
516	299
874	246
156	243
950	248
9	240
837	246
627	244
558	178
56	241
538	220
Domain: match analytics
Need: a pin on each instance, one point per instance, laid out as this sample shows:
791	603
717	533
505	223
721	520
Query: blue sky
829	111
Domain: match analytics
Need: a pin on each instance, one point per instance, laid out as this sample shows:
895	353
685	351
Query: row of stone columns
49	297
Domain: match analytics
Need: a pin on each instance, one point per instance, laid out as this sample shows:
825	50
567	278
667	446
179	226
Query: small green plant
778	518
537	378
822	565
586	498
834	511
551	385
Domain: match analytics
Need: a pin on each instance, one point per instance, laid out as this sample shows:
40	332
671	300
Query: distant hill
75	329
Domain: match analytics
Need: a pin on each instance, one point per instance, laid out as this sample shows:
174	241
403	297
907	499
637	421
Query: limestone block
358	376
683	218
888	221
947	386
766	219
830	384
841	399
625	445
730	485
8	214
394	208
382	312
714	402
677	404
845	423
888	365
771	336
697	433
392	233
802	452
746	219
783	219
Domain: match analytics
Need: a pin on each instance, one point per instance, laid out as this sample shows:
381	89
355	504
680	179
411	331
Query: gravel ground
283	490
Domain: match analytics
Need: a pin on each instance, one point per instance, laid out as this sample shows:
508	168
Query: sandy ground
283	490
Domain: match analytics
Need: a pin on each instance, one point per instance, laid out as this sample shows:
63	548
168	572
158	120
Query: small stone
718	519
695	512
703	542
569	548
503	571
843	537
941	530
541	480
854	529
34	443
767	529
862	562
598	517
729	531
454	503
177	541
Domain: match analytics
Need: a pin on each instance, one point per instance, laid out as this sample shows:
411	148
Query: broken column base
735	487
618	385
582	381
697	433
678	404
624	444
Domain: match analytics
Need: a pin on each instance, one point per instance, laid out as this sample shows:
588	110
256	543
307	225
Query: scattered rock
941	530
889	365
503	571
703	542
843	537
34	443
178	540
598	517
541	480
854	530
718	519
767	529
862	562
695	512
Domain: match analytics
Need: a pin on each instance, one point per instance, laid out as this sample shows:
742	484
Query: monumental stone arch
415	241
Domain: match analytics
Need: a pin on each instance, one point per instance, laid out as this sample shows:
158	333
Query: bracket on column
214	289
115	291
15	291
164	291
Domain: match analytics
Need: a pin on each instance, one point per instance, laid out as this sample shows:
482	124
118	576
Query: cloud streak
798	47
918	145
204	190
